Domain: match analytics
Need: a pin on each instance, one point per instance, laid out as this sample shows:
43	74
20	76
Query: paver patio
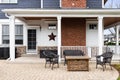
37	71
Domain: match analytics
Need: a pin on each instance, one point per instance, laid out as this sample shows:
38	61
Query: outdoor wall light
40	27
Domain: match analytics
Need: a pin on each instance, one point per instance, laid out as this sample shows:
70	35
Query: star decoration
52	36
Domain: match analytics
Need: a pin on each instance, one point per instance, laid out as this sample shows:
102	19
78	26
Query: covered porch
61	18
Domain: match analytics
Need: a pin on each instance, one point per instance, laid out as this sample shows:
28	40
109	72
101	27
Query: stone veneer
20	50
46	48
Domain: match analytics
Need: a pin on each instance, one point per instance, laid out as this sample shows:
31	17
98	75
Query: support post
89	52
59	36
117	39
0	34
100	34
12	37
41	3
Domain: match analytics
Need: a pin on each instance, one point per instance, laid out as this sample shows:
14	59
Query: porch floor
32	68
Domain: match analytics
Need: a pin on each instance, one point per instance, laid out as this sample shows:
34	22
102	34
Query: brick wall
73	3
73	32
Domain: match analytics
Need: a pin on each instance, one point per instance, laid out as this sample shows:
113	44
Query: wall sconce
40	27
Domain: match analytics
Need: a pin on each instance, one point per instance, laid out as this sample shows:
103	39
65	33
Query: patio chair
51	58
48	58
104	59
55	60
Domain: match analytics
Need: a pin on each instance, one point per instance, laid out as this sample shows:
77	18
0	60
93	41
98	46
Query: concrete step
30	55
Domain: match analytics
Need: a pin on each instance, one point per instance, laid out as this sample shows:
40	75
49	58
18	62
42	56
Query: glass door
31	39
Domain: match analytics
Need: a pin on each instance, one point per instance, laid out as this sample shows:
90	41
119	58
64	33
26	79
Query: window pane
4	1
5	37
18	41
13	1
19	29
5	34
5	29
18	37
5	41
18	34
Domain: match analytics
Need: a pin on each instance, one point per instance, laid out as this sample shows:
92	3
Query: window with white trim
18	34
5	34
52	26
8	1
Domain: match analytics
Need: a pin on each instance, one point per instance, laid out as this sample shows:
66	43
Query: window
51	26
93	26
8	1
5	34
18	34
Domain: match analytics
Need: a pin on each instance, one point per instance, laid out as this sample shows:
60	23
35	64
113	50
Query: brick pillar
73	3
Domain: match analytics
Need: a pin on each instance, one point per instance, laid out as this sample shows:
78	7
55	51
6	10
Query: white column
117	35
59	36
103	4
60	3
41	3
0	34
89	51
12	37
100	34
25	35
117	39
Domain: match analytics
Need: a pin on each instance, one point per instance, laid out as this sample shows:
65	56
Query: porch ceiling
111	21
38	18
111	16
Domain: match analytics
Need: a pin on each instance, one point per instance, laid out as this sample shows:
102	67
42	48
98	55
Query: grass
118	78
117	67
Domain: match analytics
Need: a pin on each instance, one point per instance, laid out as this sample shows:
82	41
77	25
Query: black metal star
52	36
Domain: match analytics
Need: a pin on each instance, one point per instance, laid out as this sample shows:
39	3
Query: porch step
30	55
31	51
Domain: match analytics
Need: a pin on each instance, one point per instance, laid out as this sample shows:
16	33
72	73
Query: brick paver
37	71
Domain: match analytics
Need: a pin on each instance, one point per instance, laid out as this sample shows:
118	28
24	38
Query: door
31	39
92	34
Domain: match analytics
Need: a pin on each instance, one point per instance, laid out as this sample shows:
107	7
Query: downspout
6	15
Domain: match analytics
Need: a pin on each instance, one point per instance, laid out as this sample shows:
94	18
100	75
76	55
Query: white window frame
18	34
9	1
5	34
15	33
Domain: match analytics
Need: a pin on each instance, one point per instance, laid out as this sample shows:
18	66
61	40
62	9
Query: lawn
117	67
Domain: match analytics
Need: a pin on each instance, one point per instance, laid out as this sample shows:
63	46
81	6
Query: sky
108	31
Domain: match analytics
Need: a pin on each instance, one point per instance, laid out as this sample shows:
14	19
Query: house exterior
33	25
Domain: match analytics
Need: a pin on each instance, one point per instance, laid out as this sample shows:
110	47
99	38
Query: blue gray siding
34	4
94	3
21	4
51	3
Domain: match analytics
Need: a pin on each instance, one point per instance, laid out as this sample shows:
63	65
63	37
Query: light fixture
40	27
